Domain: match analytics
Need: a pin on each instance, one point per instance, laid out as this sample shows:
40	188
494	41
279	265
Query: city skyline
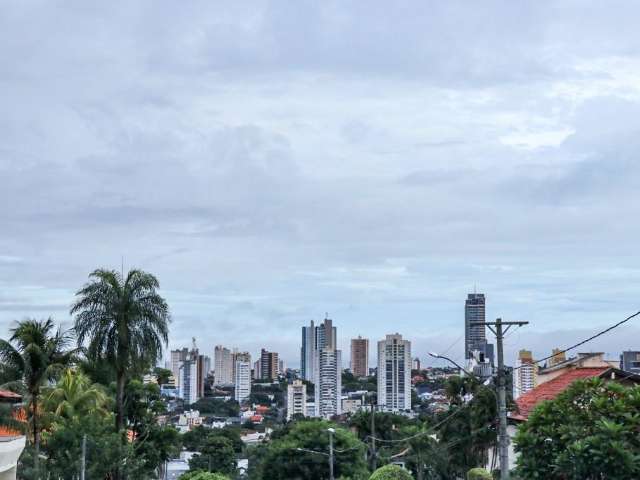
408	176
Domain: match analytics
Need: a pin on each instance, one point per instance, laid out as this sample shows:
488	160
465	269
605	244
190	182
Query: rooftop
551	389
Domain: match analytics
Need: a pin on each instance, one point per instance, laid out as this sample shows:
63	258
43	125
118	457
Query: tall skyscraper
223	366
315	338
296	399
526	374
394	373
268	365
307	352
360	356
242	381
328	383
475	335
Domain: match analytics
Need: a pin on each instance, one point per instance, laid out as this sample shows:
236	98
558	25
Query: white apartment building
394	373
223	366
242	379
328	383
296	399
526	373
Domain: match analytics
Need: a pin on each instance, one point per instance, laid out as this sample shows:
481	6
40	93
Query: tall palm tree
124	321
34	354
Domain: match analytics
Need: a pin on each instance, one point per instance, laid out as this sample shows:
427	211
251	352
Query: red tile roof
551	389
8	394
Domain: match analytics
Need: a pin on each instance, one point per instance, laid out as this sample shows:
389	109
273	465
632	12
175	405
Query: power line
593	337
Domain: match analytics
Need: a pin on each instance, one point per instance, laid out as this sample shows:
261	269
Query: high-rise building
360	356
223	366
204	365
315	338
394	373
282	370
296	399
256	370
188	380
307	352
242	374
475	335
328	383
416	364
177	357
630	362
526	375
268	365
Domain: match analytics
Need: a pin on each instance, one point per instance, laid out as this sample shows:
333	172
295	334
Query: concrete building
242	376
188	387
296	399
204	366
268	365
223	366
526	373
582	360
416	364
307	352
474	335
558	357
360	356
177	357
328	383
630	362
394	373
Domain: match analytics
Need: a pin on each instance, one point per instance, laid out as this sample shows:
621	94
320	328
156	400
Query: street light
435	355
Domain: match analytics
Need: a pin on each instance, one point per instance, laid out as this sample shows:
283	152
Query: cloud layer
273	161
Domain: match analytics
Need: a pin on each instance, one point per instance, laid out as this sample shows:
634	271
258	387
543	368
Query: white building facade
242	379
296	399
328	383
394	373
188	381
223	366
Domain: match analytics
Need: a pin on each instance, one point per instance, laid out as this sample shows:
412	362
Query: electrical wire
593	337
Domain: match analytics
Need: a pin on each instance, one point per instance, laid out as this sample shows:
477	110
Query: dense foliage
391	472
589	432
301	450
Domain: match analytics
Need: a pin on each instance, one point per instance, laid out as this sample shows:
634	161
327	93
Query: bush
391	472
201	475
479	474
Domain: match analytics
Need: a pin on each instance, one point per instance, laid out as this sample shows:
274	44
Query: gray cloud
272	161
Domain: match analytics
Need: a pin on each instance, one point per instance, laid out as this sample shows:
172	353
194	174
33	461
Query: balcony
11	447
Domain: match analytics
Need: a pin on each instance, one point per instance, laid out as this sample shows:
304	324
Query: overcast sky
273	161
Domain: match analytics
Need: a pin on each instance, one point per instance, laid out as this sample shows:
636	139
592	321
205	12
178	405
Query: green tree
426	457
391	472
469	430
124	321
217	455
200	475
300	451
479	474
162	375
589	432
73	396
33	355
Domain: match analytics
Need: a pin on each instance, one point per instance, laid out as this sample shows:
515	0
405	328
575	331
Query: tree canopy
589	432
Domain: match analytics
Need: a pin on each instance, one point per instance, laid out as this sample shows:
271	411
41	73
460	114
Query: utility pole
83	465
503	437
374	460
331	432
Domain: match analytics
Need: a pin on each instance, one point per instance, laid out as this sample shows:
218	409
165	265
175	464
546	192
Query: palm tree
124	321
34	354
73	396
